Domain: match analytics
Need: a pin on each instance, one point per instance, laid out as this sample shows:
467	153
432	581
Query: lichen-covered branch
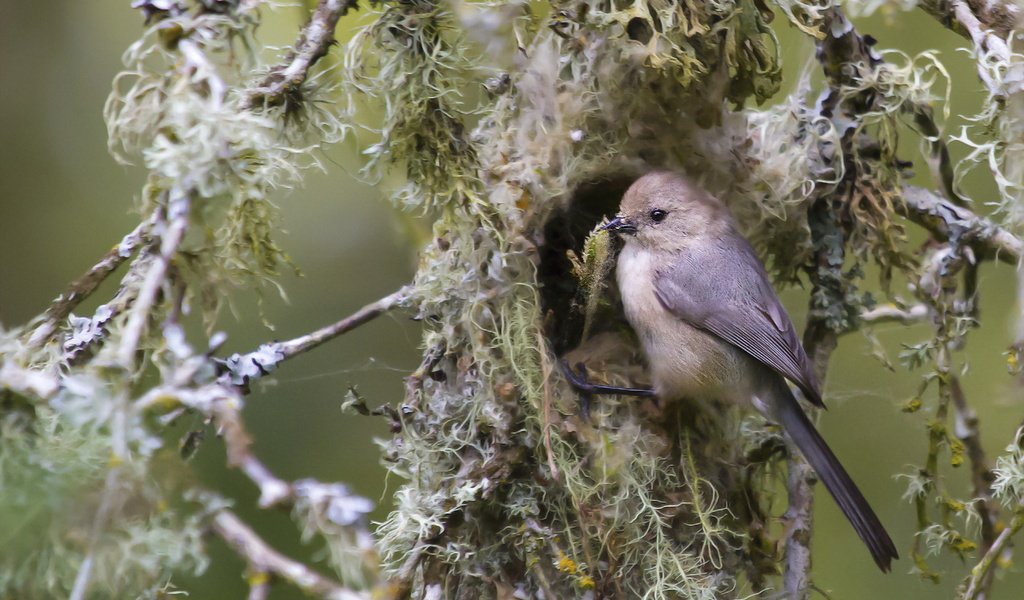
987	23
958	225
176	224
284	82
84	286
244	368
977	583
841	51
968	431
101	390
821	337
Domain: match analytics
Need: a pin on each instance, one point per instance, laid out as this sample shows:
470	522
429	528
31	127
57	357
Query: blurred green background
64	202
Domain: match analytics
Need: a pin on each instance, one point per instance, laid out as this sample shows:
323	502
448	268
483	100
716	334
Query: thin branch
939	161
259	586
546	411
99	523
981	571
968	431
957	224
316	38
988	24
244	368
263	559
820	340
223	402
84	286
799	518
238	443
1000	17
365	314
171	238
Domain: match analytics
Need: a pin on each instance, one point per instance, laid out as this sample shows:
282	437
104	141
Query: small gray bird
711	325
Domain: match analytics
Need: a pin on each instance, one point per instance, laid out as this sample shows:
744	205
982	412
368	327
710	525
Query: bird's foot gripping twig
578	379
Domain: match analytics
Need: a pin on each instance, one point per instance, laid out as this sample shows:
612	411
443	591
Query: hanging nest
512	490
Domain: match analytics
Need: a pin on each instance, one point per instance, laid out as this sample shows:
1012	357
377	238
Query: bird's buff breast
684	361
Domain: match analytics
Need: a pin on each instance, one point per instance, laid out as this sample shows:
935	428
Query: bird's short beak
619	225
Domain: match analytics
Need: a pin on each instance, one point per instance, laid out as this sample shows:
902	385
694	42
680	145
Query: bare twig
264	560
259	586
84	286
819	341
546	412
365	314
238	443
799	516
247	367
222	400
223	403
939	161
316	38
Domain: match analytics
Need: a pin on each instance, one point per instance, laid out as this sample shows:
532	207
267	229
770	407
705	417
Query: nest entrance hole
566	230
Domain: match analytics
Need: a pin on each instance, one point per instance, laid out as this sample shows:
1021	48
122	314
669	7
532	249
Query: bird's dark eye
658	215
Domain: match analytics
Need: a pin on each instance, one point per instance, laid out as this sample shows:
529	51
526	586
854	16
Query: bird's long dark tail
837	481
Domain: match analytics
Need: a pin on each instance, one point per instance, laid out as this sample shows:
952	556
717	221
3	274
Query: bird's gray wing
723	289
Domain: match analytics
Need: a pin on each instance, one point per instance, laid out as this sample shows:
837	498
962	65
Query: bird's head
664	210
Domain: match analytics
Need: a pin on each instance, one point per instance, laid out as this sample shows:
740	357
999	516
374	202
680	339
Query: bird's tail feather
837	481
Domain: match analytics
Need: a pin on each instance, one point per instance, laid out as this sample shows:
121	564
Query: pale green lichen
1008	486
87	471
51	470
177	108
995	138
